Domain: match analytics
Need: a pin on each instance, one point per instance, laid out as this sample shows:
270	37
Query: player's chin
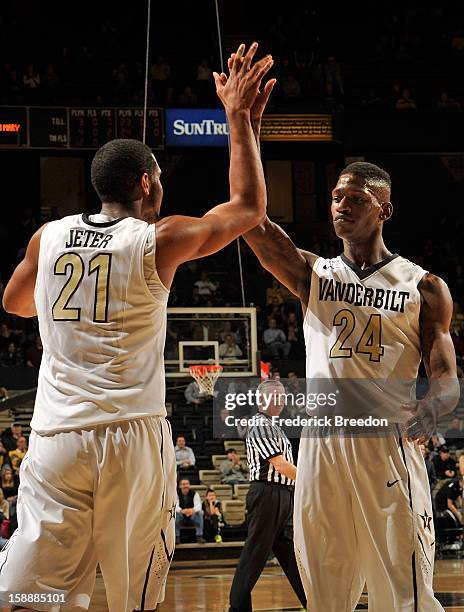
345	229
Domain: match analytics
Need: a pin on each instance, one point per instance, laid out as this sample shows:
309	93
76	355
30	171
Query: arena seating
240	491
233	511
210	477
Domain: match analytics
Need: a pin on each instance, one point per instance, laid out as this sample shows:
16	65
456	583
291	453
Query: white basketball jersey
364	324
102	330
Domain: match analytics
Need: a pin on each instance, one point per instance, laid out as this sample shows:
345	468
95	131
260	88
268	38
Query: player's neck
365	254
117	211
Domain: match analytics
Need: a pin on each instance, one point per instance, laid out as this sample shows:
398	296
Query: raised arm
180	238
18	297
279	255
273	247
439	359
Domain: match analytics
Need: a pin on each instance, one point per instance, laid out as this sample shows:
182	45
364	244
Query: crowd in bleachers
13	448
402	61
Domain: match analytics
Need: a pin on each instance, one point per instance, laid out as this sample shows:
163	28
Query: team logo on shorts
427	520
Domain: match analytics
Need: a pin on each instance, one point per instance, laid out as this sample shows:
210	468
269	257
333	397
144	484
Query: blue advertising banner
196	127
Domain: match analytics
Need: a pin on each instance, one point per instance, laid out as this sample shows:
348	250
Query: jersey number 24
369	343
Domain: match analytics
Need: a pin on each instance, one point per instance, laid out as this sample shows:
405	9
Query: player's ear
386	211
145	182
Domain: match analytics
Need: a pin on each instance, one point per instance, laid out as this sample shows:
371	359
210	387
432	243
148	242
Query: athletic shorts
363	513
104	496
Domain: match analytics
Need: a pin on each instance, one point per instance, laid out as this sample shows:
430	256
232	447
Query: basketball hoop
205	376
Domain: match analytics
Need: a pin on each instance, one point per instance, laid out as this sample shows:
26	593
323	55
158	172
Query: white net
206	377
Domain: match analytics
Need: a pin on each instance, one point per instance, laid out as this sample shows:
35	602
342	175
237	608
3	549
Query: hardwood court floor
206	589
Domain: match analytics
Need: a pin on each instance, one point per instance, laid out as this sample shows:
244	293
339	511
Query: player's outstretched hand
262	98
239	91
422	424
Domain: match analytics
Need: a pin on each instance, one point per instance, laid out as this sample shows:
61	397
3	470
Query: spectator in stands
233	470
193	394
9	483
4	507
204	72
294	388
185	457
455	434
161	75
204	79
34	353
405	102
447	103
13	89
274	291
457	43
435	442
445	466
277	311
188	510
12	357
196	299
187	97
51	84
17	455
431	473
333	77
11	435
222	428
291	88
4	456
276	341
294	384
446	501
120	78
206	288
31	83
226	329
212	517
6	336
229	349
160	70
295	337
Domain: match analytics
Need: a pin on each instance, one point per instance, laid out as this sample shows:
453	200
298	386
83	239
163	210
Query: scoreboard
89	127
77	128
65	127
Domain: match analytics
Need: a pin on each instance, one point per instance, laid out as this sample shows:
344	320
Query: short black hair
117	167
231	450
370	172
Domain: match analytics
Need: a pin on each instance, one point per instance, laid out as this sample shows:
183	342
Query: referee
269	503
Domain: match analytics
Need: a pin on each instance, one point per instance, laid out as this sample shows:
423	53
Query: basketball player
99	482
370	314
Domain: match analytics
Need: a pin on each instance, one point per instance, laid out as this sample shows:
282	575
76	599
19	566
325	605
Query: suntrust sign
202	127
207	127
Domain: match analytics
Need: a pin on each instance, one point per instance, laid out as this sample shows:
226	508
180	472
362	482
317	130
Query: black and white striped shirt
264	441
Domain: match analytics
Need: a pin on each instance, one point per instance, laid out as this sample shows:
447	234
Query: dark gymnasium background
380	81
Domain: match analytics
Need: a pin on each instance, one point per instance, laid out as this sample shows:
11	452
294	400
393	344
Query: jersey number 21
73	264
